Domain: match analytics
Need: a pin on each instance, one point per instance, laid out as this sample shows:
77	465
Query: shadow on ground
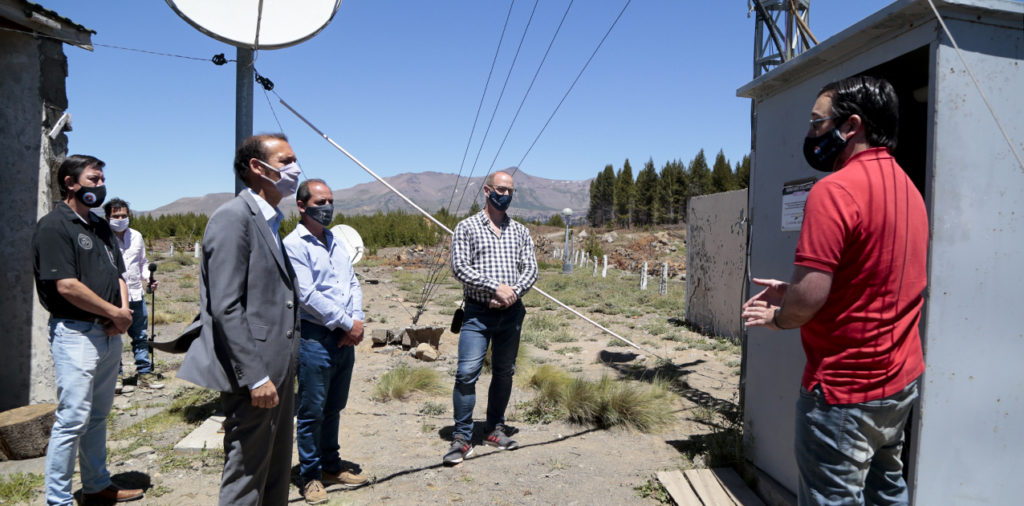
130	479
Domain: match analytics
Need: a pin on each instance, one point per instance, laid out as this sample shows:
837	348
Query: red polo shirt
867	225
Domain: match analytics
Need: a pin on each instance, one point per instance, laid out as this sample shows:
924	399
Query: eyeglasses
815	122
503	190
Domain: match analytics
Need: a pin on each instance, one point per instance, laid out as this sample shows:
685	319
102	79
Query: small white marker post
663	283
595	266
172	250
643	278
604	270
197	249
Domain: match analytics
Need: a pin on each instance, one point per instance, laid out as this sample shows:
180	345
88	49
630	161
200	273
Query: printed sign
794	196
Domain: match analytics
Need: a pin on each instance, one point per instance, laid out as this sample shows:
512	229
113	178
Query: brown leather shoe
114	494
349	479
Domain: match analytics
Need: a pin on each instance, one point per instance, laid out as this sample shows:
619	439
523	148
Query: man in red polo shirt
856	295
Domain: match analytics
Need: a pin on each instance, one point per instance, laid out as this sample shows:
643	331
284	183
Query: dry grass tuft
400	382
604	403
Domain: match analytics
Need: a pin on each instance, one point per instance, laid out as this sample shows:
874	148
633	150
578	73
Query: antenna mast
781	32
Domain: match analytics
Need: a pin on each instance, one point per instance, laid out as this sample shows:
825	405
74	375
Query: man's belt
487	306
95	320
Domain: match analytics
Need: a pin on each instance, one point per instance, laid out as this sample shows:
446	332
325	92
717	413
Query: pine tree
624	195
647	198
699	176
673	190
722	178
743	172
602	197
473	209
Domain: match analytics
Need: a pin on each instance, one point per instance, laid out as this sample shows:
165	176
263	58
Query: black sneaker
460	450
499	439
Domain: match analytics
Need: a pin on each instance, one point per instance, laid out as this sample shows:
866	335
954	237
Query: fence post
643	278
663	283
595	265
604	270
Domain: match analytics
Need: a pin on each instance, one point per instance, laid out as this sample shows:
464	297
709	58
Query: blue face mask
500	202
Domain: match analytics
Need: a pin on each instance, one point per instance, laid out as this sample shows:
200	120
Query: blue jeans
85	363
501	329
850	453
325	373
137	331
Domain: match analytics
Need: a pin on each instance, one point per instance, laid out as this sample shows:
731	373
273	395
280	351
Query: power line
480	106
573	85
497	103
567	92
528	89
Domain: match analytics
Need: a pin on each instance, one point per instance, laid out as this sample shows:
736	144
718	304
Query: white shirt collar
268	211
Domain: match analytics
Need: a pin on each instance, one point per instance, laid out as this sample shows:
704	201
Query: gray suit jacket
248	304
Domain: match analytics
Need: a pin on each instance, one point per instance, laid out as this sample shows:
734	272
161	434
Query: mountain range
535	197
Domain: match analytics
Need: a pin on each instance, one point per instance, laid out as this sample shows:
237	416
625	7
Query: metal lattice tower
781	32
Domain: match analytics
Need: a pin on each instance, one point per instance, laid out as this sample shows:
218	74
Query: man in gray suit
248	346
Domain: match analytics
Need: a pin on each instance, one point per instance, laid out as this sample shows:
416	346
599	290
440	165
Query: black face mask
821	151
321	214
91	196
500	202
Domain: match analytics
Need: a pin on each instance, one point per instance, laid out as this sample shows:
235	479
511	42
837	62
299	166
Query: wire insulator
267	84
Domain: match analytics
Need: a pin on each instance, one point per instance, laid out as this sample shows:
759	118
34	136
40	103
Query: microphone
152	270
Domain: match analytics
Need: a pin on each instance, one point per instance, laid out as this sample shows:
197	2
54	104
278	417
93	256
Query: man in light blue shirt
331	314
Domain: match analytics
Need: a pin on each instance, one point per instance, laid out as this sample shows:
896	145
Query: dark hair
74	166
250	148
303	194
115	203
871	98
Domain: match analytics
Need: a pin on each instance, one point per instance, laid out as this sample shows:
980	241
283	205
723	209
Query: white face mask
289	177
119	225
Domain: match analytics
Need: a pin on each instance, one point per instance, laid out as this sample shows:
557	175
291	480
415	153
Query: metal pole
567	262
152	316
243	101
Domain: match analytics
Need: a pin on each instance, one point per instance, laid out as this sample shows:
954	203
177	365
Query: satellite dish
350	238
282	23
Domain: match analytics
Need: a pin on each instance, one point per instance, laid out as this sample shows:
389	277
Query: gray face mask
289	177
321	214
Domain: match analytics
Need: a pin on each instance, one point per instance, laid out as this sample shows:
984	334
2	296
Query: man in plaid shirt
493	258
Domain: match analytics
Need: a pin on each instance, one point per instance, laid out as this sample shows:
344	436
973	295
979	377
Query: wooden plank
736	487
708	488
678	488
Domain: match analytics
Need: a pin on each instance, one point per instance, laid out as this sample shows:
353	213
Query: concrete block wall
716	248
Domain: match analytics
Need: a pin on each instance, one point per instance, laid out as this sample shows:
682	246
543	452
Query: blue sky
397	83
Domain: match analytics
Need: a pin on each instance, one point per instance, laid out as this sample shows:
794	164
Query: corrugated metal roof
43	21
34	7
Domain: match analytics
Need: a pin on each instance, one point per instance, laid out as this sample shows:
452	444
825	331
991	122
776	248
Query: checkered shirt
482	259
